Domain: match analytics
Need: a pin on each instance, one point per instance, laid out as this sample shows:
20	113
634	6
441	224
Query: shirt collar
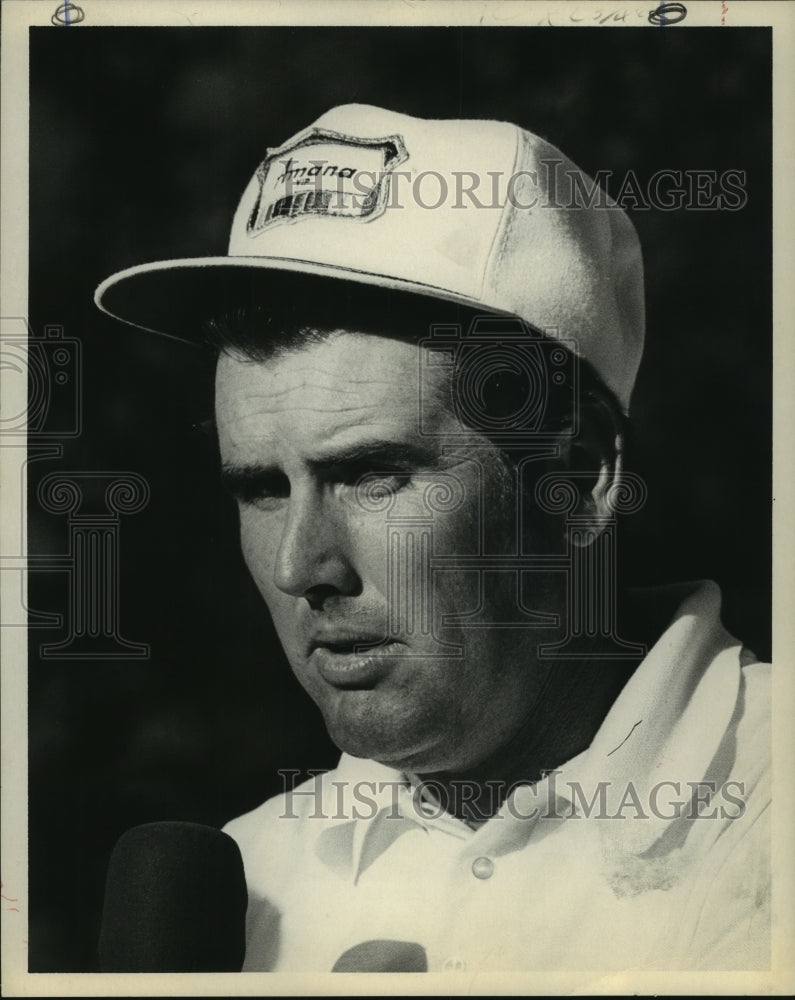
670	718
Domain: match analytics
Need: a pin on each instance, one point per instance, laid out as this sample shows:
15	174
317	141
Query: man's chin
369	735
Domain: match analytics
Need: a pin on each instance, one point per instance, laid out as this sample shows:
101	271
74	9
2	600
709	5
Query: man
428	336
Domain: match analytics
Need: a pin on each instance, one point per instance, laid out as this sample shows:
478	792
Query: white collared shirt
650	850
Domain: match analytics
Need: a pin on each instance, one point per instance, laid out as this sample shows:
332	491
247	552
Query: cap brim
176	298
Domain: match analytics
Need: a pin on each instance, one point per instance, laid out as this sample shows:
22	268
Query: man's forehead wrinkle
336	434
346	388
321	422
304	408
350	388
349	384
378	376
351	407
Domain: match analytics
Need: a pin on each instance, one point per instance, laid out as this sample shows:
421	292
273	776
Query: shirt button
482	867
454	965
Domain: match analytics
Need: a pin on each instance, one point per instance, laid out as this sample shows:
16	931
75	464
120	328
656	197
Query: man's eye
264	493
263	501
388	479
371	488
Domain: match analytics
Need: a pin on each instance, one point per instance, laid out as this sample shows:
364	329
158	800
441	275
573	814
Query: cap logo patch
323	173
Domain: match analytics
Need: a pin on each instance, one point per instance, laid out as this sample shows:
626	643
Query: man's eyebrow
385	453
249	480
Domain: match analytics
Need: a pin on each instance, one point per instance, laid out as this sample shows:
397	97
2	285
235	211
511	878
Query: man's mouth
345	640
353	660
350	646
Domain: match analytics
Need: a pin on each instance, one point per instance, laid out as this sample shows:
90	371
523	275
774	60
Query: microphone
175	901
383	955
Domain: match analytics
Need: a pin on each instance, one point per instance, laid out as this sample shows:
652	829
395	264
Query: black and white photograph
388	536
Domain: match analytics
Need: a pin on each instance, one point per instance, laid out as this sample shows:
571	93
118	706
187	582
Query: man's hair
258	333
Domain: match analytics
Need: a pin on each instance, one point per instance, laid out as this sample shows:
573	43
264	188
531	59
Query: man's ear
594	457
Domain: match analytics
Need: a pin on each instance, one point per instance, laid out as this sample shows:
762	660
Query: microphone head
175	901
383	955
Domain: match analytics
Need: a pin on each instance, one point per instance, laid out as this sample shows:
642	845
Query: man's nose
313	560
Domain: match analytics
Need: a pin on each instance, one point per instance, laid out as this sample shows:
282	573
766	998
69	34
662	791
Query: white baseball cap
480	213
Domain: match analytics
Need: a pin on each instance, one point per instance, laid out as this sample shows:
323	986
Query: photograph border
17	17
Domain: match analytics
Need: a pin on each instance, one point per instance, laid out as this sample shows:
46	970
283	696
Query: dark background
142	141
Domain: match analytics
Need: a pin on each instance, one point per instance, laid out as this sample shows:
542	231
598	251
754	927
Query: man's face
297	433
